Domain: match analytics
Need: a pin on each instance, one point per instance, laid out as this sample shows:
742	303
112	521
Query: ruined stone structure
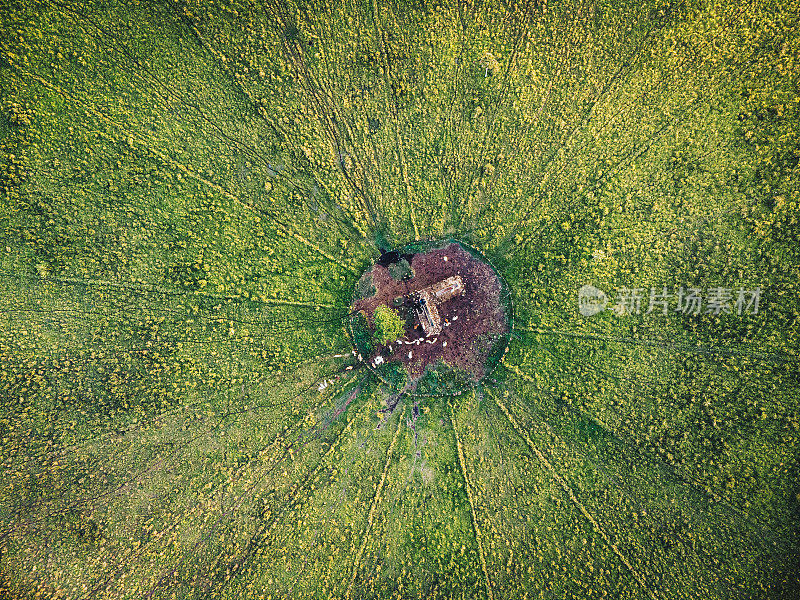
430	297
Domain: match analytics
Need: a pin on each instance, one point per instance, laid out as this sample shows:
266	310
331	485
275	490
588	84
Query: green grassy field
189	192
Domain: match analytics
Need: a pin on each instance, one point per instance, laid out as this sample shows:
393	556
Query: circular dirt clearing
431	318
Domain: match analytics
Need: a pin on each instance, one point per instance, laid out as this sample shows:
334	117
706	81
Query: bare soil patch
474	323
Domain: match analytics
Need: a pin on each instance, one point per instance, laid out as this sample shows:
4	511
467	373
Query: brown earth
472	322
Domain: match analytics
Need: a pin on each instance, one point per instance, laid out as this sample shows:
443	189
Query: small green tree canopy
401	270
388	324
365	287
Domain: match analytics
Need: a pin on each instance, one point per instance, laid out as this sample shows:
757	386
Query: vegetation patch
190	193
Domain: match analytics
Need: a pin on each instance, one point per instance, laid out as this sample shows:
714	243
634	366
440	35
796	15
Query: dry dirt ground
472	322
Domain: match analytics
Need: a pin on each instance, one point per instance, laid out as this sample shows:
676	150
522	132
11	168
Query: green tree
401	270
388	324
